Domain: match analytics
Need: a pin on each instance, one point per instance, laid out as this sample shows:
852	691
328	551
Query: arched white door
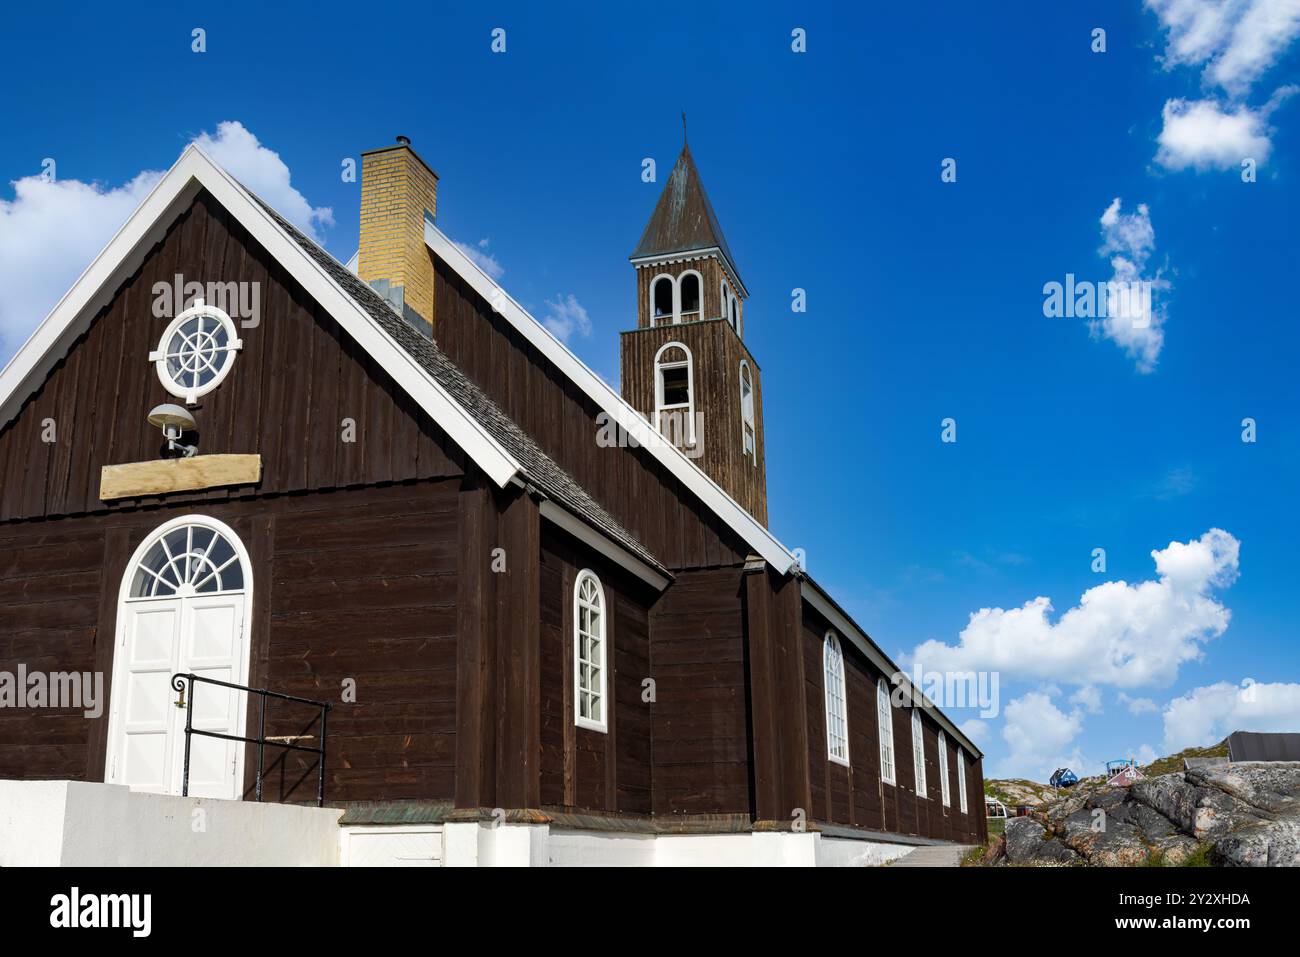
184	606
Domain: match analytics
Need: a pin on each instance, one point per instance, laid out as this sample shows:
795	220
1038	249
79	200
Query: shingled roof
541	470
683	218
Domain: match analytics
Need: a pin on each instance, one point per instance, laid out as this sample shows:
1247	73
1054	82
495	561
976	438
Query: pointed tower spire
683	220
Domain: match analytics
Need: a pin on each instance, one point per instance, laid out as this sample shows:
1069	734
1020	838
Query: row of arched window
675	299
675	398
837	729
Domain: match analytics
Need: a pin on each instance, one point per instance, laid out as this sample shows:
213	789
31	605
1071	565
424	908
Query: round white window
196	351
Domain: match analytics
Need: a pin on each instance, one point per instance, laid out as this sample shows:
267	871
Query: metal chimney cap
403	141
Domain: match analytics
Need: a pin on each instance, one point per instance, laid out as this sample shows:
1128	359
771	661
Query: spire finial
684	141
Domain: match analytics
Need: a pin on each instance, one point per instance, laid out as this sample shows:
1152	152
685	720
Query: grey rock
1028	842
1268	844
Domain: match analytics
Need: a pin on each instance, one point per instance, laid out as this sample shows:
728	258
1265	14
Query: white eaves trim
584	533
845	626
600	392
174	192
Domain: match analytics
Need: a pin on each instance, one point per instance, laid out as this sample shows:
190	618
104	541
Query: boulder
1267	844
1203	812
1028	842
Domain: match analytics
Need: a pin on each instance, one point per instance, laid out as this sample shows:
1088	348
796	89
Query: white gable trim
599	391
818	599
149	223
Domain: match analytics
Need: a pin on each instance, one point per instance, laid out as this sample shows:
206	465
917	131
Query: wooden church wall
582	769
856	795
298	376
357	584
639	492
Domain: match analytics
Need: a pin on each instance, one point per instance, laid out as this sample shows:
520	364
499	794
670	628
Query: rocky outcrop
1247	813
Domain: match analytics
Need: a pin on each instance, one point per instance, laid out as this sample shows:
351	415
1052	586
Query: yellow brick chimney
398	191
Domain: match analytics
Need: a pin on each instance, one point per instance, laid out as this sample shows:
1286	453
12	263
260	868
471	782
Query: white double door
159	638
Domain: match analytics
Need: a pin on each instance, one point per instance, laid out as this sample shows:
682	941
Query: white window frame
918	752
961	779
671	316
602	663
748	433
885	732
191	393
689	406
835	700
698	314
943	770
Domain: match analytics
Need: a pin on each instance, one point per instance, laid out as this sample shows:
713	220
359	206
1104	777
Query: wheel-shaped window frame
162	356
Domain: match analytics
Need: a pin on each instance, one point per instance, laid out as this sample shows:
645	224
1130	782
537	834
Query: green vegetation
1174	762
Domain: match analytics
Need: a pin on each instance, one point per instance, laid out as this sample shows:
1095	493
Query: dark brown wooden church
529	600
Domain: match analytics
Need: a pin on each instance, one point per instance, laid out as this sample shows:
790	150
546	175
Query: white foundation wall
843	852
85	824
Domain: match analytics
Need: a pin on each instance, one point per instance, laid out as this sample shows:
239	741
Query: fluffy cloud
49	233
1088	698
1138	705
975	729
52	229
565	316
1134	318
480	257
1039	736
1205	716
1119	634
1204	134
261	170
1237	41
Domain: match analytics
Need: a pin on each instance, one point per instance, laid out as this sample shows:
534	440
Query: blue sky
925	298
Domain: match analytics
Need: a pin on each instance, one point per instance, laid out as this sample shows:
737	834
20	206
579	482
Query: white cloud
261	170
1206	715
1119	634
1146	754
480	257
565	316
51	230
1088	698
1204	134
975	729
49	233
1237	41
1134	318
1039	736
1138	705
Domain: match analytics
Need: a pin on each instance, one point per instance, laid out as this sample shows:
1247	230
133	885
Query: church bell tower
685	366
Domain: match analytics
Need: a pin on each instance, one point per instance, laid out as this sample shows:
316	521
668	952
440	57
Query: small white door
183	610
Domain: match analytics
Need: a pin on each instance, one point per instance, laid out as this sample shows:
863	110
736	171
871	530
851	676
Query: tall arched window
589	653
918	752
837	722
675	393
748	444
733	314
662	291
690	295
961	778
885	719
943	770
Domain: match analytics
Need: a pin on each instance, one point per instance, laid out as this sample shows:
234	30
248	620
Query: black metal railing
185	683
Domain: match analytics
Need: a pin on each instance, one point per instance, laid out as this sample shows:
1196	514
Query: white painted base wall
76	823
84	824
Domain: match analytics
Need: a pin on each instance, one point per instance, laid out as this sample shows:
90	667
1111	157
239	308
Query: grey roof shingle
540	469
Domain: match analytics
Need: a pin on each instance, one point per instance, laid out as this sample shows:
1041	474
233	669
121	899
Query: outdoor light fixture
174	421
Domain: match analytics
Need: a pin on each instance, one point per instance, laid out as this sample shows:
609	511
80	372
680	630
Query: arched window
190	559
724	298
943	770
918	752
690	296
837	722
661	300
885	719
589	653
748	444
675	393
961	778
733	314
